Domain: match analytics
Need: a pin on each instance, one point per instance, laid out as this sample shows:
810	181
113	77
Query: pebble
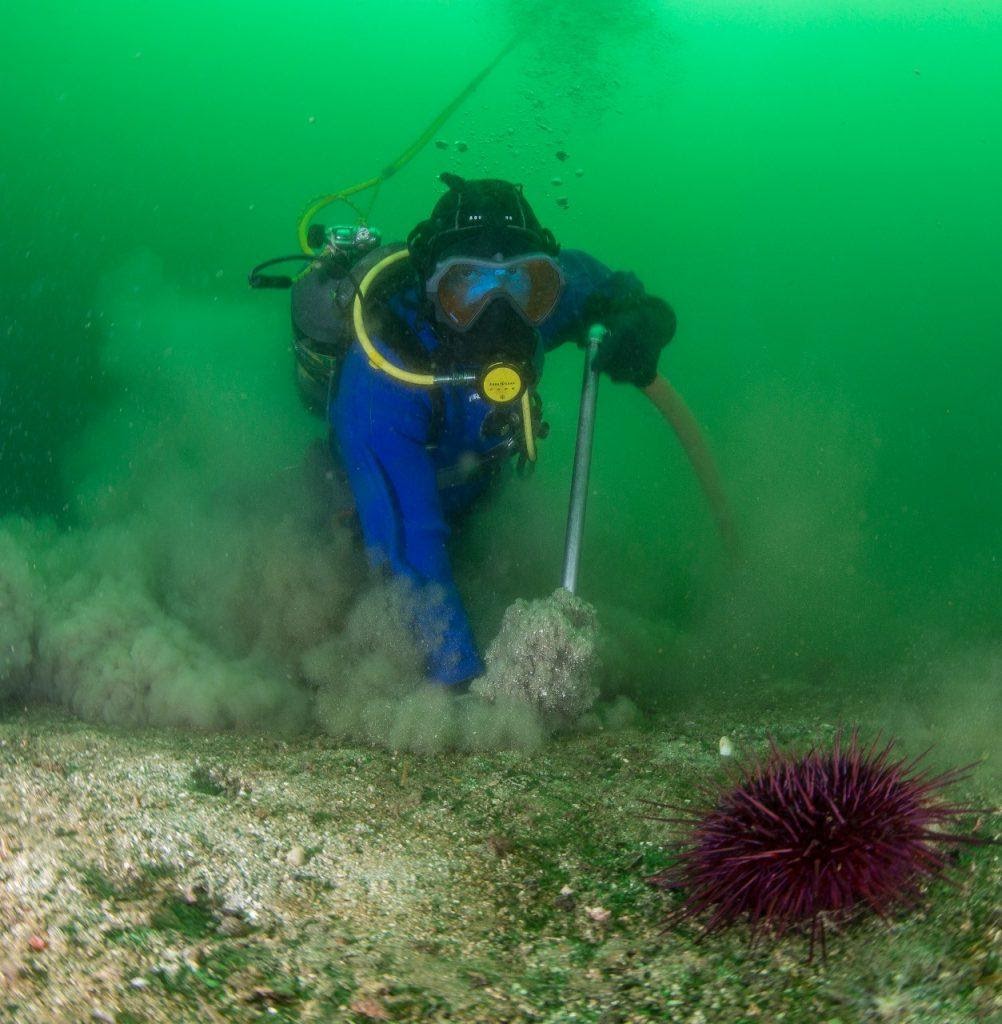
441	144
726	746
565	901
138	982
296	857
462	147
38	943
100	1017
234	927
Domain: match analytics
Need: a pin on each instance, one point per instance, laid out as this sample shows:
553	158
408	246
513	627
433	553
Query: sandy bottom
166	876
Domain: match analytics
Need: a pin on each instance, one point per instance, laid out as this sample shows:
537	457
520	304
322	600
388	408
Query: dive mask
461	288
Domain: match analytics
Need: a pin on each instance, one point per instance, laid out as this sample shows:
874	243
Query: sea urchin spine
797	839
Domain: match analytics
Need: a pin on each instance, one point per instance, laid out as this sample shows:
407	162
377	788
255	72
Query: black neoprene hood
478	218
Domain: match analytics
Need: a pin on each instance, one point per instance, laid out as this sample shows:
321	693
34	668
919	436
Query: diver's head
478	218
487	268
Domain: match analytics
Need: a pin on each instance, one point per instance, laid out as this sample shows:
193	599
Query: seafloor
162	876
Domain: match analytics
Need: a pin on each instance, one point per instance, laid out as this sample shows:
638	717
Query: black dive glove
637	333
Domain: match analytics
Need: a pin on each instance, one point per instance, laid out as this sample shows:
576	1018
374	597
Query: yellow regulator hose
376	358
679	417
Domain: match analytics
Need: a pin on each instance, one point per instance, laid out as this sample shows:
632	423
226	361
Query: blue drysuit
416	457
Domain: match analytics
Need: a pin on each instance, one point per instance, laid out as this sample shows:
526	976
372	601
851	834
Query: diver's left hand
637	334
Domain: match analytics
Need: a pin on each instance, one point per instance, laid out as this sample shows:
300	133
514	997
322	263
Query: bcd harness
332	306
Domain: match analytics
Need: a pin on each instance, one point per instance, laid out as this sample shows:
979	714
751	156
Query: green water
814	186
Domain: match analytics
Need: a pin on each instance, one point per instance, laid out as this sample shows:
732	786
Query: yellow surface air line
302	229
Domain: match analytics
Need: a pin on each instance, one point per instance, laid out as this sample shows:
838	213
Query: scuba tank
322	298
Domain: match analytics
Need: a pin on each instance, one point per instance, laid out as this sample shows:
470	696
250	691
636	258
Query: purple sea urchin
797	839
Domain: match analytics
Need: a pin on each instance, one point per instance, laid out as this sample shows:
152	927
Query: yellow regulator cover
501	383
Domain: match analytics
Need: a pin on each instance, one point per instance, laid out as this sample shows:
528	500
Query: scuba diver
428	359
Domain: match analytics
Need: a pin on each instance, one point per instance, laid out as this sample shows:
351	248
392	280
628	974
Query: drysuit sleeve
381	430
640	324
591	286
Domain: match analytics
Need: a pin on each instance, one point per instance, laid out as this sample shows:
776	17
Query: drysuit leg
382	429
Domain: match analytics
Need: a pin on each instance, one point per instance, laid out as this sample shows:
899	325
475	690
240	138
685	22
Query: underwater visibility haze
813	186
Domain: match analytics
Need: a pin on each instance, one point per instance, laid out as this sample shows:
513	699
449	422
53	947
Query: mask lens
463	289
463	292
542	289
